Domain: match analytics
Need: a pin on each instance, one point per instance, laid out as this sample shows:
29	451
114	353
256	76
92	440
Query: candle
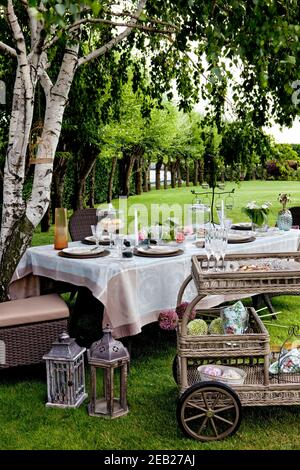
136	228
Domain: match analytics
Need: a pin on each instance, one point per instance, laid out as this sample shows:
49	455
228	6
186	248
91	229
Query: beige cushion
33	310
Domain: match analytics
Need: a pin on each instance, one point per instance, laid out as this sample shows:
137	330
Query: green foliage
283	163
259	41
257	213
245	145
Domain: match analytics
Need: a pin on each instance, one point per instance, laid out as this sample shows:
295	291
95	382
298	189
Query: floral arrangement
284	198
168	320
257	213
180	310
197	327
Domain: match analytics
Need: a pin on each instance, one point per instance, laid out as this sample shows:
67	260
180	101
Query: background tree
245	146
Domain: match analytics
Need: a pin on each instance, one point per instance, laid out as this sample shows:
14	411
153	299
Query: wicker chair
80	223
28	327
296	215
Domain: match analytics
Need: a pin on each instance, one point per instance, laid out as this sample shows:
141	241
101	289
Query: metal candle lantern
65	373
108	355
212	172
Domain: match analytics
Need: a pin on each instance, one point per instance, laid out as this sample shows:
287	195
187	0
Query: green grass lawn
151	424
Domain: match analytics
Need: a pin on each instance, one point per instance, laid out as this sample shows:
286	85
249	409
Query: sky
286	135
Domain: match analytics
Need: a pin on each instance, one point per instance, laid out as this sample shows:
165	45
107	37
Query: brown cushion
33	310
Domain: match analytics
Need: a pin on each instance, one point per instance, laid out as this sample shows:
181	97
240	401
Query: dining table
133	290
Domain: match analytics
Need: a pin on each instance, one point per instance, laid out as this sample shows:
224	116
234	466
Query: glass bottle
61	228
284	220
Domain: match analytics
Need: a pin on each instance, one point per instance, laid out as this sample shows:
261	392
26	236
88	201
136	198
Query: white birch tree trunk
20	218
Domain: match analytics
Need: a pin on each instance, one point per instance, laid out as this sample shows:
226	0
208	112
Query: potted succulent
284	219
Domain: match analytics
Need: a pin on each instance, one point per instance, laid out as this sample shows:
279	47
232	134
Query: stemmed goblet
97	233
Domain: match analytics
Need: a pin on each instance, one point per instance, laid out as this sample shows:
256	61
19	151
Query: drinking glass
227	223
111	223
219	238
208	246
61	228
217	250
119	241
223	245
156	233
97	233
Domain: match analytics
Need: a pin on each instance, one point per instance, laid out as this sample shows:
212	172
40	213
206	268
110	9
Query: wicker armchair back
80	223
295	214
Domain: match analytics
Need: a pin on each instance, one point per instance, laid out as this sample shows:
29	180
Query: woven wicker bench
28	328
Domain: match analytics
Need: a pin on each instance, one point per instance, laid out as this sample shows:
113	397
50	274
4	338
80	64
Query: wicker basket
229	381
255	342
210	283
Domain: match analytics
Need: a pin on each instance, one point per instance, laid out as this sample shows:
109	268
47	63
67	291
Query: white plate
92	239
78	250
237	236
166	250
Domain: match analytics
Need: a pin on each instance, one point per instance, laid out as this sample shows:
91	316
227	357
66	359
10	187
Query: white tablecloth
133	291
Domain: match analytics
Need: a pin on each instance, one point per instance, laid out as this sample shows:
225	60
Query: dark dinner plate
242	226
241	240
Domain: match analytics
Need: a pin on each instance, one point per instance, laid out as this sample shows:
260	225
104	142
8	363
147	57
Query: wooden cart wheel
209	411
175	369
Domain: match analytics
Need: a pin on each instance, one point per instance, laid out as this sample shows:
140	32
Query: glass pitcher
61	228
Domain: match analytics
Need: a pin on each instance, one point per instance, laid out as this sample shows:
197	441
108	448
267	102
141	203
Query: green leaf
291	60
60	9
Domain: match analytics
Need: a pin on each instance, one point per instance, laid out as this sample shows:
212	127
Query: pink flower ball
168	320
180	237
142	235
180	309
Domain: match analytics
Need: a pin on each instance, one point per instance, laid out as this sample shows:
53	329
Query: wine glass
111	223
97	233
217	249
208	246
229	202
156	233
217	245
119	241
223	244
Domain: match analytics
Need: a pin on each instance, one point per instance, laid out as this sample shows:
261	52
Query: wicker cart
211	410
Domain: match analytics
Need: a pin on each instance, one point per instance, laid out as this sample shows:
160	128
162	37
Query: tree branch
147	20
16	30
7	49
33	26
132	25
21	49
102	50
